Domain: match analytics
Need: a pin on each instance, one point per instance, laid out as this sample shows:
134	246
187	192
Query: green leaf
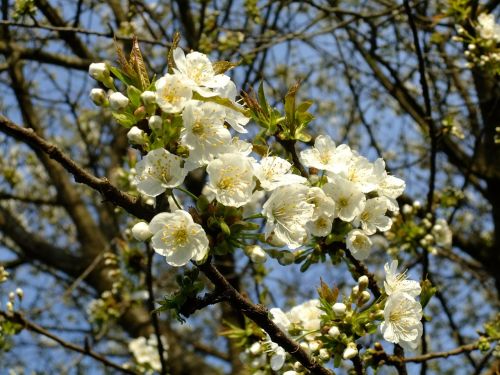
134	95
123	77
428	290
262	100
126	119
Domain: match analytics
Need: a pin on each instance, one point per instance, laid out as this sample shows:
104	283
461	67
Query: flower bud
351	351
20	293
256	254
141	231
136	136
118	101
363	282
99	71
10	307
355	290
407	209
314	346
324	355
12	296
417	205
148	97
98	97
363	298
339	309
334	332
155	123
255	348
286	258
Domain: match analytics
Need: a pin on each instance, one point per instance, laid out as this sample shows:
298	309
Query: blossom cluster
482	47
145	352
411	230
199	105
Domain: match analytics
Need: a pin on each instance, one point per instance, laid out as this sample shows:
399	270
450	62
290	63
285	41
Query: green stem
187	192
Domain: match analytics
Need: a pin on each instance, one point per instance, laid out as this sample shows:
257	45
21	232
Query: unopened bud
148	97
351	351
363	298
136	136
334	332
155	123
20	293
141	231
324	355
363	282
118	101
256	254
255	348
99	71
98	97
339	309
10	307
355	290
286	258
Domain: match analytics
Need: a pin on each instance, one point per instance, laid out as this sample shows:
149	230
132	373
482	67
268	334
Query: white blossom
323	204
178	238
231	179
307	316
361	173
234	116
321	226
287	213
373	216
204	132
198	72
325	155
172	93
349	200
280	319
401	325
273	172
487	27
359	244
398	282
389	187
158	171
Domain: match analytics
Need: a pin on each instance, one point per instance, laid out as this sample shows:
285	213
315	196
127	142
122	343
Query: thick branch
131	204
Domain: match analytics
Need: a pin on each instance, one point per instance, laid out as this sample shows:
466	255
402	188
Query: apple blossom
231	179
172	93
158	171
287	213
178	238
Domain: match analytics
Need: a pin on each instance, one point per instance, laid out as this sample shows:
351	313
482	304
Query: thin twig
20	319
